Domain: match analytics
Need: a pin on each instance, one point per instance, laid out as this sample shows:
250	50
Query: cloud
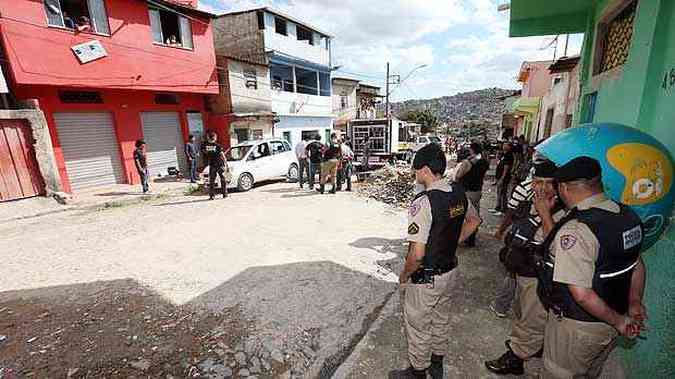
464	42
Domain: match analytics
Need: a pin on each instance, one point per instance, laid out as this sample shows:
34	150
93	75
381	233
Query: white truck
380	136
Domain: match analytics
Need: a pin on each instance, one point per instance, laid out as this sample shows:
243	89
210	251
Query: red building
109	72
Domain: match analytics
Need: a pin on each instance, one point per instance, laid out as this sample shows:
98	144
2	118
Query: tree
426	118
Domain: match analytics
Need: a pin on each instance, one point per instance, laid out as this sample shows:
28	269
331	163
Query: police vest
521	241
448	210
620	240
473	180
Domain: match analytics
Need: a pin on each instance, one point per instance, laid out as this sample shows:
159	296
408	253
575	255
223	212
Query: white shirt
300	150
346	151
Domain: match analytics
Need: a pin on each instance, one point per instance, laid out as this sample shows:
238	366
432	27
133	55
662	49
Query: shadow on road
187	201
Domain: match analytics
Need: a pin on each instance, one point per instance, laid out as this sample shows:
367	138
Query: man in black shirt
315	151
215	158
141	162
192	153
503	175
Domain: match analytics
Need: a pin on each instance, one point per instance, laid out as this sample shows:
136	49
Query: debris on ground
392	184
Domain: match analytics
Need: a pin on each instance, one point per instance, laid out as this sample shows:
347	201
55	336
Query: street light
412	71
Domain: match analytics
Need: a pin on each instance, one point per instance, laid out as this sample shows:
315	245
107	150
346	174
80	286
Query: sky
463	43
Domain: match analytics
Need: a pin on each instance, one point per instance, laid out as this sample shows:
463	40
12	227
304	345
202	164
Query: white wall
562	98
249	100
289	45
298	104
347	89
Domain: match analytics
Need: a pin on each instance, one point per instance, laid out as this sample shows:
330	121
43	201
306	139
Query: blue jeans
304	172
144	179
314	168
193	170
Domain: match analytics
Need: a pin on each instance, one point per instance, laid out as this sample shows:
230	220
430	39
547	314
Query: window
257	134
242	136
305	34
287	144
287	137
324	83
82	15
166	98
344	102
309	135
261	20
307	81
251	78
277	147
170	28
80	97
282	77
280	26
548	123
614	37
557	80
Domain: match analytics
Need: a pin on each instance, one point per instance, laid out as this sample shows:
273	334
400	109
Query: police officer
215	158
522	243
439	218
471	175
593	277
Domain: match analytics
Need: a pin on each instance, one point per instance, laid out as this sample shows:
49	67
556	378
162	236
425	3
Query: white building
299	60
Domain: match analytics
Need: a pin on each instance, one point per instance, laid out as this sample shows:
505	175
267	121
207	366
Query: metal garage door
90	149
162	133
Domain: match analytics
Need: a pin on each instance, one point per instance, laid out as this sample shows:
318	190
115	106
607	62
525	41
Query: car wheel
293	172
245	182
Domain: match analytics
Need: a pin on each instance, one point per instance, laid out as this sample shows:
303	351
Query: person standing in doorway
141	162
192	155
303	162
215	158
315	151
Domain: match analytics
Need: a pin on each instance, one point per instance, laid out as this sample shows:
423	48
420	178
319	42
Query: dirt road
274	282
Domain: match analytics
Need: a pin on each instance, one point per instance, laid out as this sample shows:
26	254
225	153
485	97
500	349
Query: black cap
577	169
545	169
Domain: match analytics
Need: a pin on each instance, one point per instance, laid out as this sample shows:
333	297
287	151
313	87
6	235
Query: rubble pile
393	185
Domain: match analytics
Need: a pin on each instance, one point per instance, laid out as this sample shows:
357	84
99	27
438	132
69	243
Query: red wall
125	107
41	55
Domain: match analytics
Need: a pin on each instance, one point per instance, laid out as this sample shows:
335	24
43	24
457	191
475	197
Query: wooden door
19	173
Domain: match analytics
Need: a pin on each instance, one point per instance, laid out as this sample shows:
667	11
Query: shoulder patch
413	228
567	241
457	210
415	208
632	237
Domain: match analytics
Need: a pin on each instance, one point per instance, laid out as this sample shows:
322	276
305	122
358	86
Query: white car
255	161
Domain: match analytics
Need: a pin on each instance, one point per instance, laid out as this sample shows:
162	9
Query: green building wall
642	95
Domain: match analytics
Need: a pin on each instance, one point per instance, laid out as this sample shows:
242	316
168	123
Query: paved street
293	264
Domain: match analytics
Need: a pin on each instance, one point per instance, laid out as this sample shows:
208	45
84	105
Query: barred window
615	36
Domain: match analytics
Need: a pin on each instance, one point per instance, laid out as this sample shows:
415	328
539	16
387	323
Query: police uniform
435	219
597	246
217	166
523	243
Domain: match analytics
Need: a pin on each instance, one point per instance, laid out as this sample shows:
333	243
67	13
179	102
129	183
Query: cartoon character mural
637	169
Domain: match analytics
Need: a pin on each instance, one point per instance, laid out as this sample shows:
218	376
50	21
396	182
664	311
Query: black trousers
220	171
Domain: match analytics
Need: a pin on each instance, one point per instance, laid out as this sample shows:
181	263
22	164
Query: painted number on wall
669	79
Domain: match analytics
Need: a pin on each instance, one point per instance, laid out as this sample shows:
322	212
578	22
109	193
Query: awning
526	105
539	18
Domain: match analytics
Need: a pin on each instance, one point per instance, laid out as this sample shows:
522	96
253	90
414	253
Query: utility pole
567	41
386	101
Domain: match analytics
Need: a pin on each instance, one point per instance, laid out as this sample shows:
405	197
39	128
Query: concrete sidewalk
99	197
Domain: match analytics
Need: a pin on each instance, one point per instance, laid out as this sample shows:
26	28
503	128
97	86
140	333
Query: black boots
508	363
436	368
322	189
409	373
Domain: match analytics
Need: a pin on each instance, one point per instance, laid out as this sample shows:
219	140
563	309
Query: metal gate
90	149
19	173
162	134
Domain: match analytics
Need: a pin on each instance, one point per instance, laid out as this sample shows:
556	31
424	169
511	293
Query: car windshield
423	140
435	140
237	153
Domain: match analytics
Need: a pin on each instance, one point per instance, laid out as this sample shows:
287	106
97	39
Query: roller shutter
90	149
162	133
